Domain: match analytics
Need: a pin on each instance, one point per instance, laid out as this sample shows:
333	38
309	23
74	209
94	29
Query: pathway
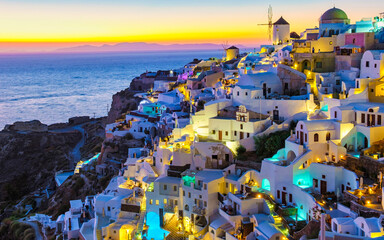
35	227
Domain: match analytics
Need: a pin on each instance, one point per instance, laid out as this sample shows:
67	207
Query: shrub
241	150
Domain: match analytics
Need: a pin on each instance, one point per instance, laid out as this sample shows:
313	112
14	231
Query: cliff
122	102
29	160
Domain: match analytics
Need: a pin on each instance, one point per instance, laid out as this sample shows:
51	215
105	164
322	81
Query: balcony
169	208
198	210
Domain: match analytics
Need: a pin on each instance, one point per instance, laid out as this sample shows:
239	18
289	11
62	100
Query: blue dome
334	14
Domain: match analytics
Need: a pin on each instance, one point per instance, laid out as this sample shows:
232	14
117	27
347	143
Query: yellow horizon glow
98	22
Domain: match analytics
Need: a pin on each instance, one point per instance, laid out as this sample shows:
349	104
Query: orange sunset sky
45	25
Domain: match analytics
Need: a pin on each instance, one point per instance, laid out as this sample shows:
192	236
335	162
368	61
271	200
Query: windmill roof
281	21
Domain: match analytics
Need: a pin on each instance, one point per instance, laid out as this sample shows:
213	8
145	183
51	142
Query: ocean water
55	87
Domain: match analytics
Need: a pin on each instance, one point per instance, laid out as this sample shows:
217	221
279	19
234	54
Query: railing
169	208
198	210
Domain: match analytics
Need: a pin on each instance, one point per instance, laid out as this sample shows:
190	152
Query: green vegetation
128	136
15	230
267	145
240	152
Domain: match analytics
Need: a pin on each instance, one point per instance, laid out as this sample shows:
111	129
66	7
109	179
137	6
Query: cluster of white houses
329	80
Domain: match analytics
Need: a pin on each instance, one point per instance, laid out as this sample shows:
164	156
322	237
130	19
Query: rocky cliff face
29	160
122	102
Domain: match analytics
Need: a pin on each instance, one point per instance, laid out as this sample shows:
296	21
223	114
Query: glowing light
259	196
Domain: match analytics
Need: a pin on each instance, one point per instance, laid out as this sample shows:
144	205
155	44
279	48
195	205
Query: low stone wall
370	167
307	230
364	211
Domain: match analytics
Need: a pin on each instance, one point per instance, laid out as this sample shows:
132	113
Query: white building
372	64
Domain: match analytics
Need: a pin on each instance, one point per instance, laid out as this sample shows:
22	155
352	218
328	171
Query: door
301	138
220	135
323	187
241	135
275	115
284	198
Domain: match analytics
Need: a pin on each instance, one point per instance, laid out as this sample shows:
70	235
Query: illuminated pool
154	230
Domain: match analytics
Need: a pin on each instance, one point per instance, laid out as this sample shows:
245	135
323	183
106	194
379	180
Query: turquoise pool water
154	230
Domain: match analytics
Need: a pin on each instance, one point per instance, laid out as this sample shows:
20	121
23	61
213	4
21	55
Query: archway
306	65
361	141
266	185
291	156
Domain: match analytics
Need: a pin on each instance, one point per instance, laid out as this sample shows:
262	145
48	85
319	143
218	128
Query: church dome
334	14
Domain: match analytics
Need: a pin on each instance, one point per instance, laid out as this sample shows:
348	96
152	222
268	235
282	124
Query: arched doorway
266	185
306	65
291	156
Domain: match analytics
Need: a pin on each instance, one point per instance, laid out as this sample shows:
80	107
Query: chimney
322	227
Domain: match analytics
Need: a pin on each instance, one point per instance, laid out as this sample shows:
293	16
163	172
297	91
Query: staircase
140	225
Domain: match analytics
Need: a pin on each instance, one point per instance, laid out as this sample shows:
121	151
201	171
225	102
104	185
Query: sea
54	87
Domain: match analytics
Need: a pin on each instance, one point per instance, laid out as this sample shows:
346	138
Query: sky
43	25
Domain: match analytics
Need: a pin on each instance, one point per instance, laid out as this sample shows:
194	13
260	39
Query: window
247	135
195	201
150	201
200	196
305	137
241	126
165	201
367	64
323	176
226	185
316	137
189	194
213	132
175	202
378	119
357	84
165	186
278	194
246	93
157	202
175	188
362	118
214	157
227	157
328	137
186	208
183	193
334	227
205	203
238	93
335	114
205	186
301	126
109	209
235	133
354	41
226	133
269	90
315	183
290	197
375	65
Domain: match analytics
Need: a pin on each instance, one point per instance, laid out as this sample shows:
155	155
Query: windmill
269	24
